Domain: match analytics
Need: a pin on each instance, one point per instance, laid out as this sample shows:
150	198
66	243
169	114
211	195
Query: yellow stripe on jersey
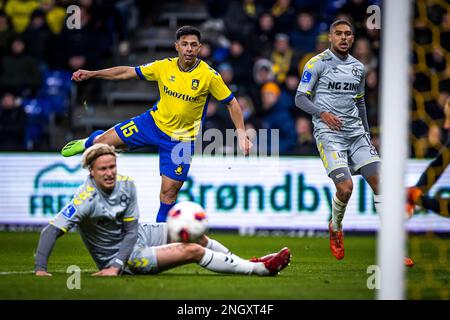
60	228
184	95
128	219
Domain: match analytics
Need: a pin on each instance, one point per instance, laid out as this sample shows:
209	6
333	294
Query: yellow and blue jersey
184	95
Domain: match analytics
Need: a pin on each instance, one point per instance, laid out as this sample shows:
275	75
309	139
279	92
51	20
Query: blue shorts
174	156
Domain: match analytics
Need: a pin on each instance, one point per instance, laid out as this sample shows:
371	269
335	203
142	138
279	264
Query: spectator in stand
263	38
54	15
242	64
290	84
306	144
12	124
20	72
322	43
240	18
213	118
282	57
373	35
38	37
289	88
364	53
227	73
358	10
216	8
83	49
262	73
277	116
6	34
304	35
247	108
284	16
206	52
20	12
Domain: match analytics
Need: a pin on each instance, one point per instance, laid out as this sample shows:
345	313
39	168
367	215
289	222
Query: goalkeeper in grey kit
105	209
331	89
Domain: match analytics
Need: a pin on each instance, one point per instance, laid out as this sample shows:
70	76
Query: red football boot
412	193
408	262
263	258
278	262
336	242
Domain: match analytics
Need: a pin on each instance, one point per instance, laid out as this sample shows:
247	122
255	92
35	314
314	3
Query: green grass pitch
313	273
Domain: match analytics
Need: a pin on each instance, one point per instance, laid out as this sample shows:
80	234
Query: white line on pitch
6	273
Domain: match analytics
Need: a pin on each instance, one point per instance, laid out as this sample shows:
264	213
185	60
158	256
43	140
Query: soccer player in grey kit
105	209
331	89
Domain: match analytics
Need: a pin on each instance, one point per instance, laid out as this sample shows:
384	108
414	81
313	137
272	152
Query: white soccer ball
186	222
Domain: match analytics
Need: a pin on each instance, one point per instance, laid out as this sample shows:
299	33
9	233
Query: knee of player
203	241
100	139
194	252
345	189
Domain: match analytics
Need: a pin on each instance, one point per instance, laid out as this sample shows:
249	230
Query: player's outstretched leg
216	246
219	262
109	137
78	146
176	254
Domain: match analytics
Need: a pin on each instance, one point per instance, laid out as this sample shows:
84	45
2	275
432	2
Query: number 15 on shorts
129	129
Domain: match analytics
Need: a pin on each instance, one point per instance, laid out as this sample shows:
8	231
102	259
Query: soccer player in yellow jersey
185	85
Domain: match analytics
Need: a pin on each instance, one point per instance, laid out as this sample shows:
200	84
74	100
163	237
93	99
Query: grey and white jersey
100	217
334	85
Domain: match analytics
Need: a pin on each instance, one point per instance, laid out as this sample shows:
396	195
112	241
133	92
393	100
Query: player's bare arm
114	73
238	120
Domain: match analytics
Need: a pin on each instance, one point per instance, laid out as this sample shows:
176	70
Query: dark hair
339	22
188	30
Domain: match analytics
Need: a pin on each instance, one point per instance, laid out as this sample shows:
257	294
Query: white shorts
143	259
346	152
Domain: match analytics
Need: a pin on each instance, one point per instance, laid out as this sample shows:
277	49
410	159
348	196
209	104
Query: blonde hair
97	150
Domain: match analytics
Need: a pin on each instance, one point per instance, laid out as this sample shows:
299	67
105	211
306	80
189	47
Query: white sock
337	213
220	262
216	246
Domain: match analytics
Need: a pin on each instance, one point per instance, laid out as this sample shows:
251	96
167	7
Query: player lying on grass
105	209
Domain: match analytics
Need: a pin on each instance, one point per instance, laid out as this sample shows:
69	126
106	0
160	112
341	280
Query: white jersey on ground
100	217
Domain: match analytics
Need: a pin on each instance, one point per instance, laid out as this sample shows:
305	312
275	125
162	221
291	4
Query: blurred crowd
38	53
263	49
259	48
